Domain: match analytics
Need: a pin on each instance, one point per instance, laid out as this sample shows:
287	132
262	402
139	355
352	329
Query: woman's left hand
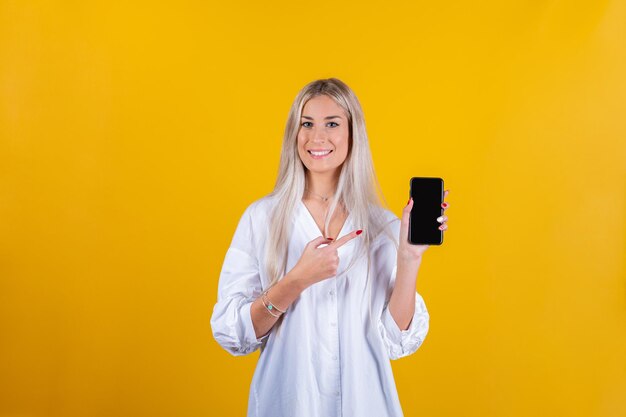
408	251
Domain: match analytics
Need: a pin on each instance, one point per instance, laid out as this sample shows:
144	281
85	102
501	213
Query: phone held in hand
427	194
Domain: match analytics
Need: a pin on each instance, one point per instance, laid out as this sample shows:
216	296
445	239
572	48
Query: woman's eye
307	124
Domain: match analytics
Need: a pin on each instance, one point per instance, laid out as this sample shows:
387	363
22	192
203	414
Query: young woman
320	276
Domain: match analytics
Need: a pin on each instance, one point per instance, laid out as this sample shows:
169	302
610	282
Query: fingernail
329	238
444	205
408	201
358	232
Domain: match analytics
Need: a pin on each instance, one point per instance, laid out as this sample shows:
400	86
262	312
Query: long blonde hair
357	190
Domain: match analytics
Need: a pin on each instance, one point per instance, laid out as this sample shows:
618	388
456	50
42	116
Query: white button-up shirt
326	360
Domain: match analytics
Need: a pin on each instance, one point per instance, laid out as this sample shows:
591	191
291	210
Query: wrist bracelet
271	305
269	308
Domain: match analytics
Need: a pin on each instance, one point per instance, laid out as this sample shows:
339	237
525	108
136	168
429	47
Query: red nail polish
329	238
358	232
408	201
444	205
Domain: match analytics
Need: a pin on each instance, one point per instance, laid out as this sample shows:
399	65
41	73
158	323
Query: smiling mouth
320	154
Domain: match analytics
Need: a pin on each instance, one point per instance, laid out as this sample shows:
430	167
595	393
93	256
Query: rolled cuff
400	343
237	335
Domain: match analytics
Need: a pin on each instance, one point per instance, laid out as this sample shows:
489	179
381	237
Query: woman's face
324	135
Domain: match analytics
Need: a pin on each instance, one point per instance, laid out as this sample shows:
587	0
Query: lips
319	153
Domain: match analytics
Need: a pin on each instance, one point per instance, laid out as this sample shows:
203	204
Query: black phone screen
427	194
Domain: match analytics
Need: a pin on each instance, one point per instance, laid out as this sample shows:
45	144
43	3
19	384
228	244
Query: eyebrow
325	118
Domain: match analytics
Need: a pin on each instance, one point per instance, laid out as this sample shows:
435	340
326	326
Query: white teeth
322	153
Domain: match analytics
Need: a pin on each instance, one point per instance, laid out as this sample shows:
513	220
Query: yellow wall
132	137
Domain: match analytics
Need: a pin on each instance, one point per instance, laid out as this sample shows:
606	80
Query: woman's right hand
317	264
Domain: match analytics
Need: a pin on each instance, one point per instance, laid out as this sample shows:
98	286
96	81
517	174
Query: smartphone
427	194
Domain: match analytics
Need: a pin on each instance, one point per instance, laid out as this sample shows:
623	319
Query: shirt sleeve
399	343
239	285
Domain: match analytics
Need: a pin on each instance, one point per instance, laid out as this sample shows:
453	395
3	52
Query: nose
319	135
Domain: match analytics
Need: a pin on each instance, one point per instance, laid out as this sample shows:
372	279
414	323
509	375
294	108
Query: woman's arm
282	295
402	301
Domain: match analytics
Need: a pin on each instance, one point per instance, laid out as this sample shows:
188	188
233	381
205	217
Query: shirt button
332	292
334	357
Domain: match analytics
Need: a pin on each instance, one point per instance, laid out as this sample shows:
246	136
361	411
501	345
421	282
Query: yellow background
134	134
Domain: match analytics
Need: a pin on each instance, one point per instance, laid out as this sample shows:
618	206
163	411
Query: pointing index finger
345	238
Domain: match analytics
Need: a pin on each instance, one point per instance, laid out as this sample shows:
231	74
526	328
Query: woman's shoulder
387	224
384	215
253	224
260	208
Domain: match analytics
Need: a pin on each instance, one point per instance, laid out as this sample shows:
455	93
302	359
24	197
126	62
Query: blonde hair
357	190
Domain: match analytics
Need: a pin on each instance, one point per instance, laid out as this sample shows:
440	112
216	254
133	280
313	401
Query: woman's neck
322	184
